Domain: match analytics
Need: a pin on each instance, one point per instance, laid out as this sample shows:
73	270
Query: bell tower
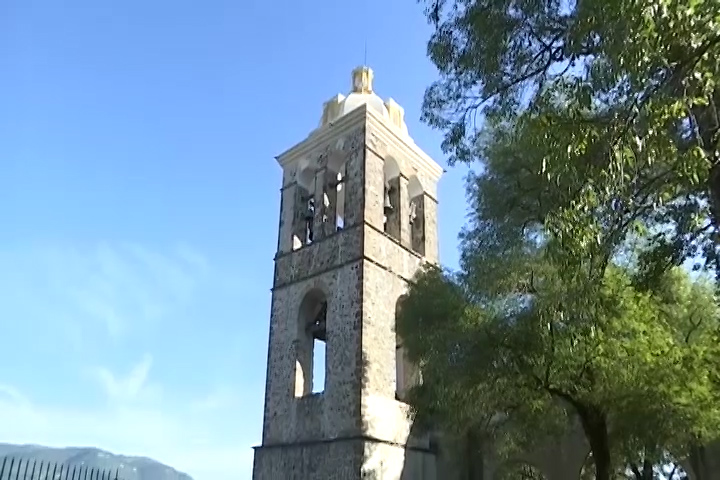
358	217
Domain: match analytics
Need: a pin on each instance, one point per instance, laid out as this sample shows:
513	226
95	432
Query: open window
311	343
335	193
416	215
341	190
391	198
304	209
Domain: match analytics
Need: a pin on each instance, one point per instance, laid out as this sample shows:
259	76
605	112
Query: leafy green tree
619	359
616	99
596	125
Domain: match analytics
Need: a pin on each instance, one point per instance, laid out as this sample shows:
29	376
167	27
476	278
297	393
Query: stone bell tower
358	216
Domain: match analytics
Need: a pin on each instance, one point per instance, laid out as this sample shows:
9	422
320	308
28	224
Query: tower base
343	459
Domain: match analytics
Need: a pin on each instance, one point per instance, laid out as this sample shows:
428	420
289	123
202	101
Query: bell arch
391	198
416	215
310	343
335	192
304	205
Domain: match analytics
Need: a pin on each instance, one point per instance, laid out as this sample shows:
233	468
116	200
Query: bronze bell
413	211
388	207
310	211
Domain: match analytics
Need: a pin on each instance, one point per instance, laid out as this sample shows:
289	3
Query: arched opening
335	192
520	471
587	471
304	208
391	198
404	369
310	344
416	216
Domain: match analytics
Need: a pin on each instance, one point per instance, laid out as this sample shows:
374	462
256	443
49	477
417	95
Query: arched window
310	344
416	216
404	369
334	193
391	198
304	208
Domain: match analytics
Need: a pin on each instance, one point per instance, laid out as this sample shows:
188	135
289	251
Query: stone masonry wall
319	461
355	428
388	265
339	413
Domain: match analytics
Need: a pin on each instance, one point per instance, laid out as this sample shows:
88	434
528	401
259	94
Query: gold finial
362	78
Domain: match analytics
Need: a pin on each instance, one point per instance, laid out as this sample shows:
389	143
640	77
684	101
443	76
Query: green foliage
597	131
638	357
614	102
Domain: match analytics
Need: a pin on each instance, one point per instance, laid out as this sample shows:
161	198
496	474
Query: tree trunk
601	457
714	188
596	430
474	457
647	473
707	122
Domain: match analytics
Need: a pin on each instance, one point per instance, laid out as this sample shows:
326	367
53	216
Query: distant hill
130	468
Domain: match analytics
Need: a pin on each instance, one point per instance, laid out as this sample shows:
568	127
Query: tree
565	352
619	93
599	156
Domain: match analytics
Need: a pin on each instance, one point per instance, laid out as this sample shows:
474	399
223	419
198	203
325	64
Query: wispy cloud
221	398
13	395
114	286
131	387
112	312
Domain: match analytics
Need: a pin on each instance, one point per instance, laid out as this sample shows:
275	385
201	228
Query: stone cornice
320	136
385	132
418	159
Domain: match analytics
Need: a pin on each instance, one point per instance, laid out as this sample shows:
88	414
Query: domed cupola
362	94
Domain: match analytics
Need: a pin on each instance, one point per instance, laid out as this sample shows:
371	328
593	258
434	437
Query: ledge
332	130
418	158
354	438
385	132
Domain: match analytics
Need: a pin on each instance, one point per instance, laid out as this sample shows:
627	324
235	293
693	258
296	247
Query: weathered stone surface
383	460
331	252
385	251
340	404
341	460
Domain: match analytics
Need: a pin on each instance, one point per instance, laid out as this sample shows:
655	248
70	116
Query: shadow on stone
420	459
704	462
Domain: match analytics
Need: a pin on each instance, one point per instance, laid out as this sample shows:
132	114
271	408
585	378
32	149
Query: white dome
355	100
362	94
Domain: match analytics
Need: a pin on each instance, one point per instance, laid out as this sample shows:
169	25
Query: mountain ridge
129	467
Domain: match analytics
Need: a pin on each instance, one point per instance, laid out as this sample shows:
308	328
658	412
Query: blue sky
139	201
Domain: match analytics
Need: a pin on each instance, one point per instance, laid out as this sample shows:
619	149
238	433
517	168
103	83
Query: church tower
358	217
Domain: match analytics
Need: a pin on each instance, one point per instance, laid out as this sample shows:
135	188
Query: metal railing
12	468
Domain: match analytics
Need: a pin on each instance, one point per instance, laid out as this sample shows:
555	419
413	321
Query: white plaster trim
318	137
386	132
418	158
